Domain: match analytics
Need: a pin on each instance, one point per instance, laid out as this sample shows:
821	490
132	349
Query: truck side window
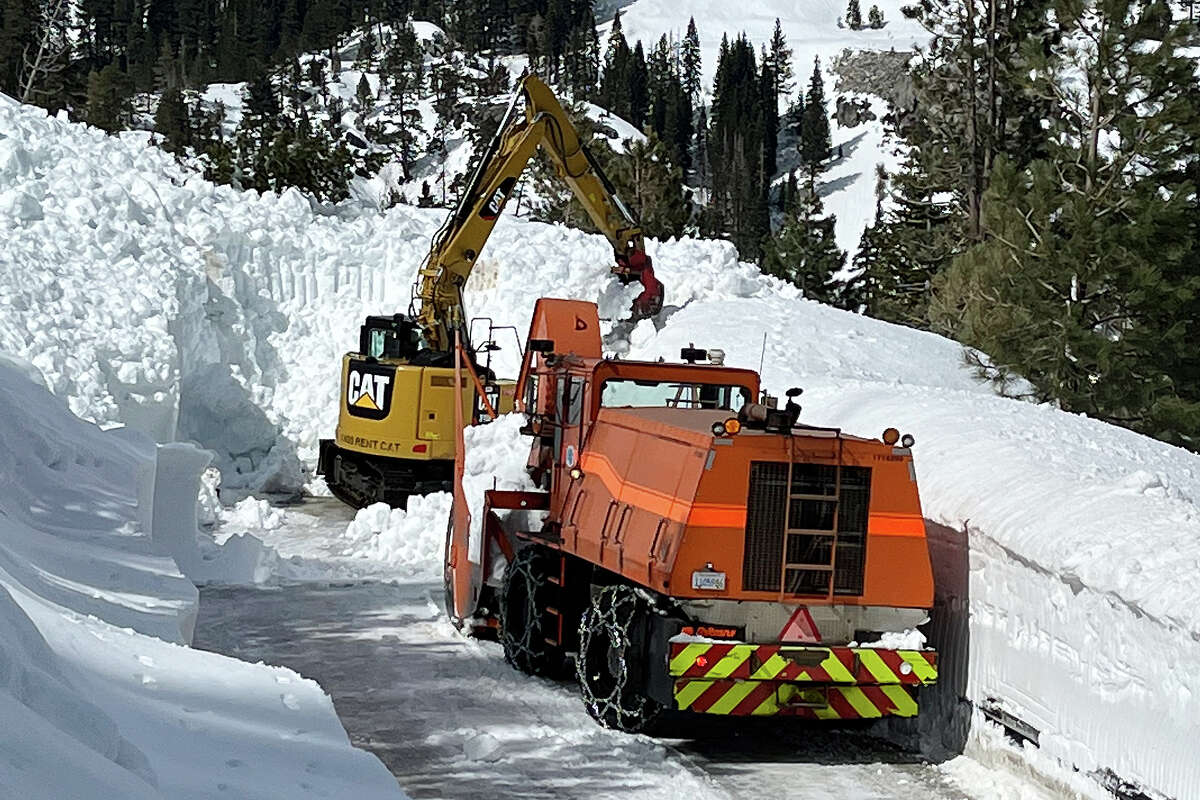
573	401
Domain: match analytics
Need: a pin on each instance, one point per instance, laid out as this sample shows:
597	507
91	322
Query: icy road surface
450	719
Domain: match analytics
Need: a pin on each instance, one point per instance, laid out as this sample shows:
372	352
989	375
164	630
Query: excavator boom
457	245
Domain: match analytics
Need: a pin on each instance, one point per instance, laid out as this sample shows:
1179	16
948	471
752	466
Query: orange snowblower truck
697	548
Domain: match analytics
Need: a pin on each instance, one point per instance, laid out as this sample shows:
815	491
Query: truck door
569	431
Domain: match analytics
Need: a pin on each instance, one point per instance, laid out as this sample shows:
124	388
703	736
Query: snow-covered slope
145	294
811	28
99	694
847	187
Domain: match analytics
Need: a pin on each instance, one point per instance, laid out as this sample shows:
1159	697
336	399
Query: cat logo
495	204
369	389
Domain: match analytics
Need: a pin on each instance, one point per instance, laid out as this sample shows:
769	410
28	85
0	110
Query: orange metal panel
574	325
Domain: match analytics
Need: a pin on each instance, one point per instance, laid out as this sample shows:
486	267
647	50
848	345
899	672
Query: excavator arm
458	243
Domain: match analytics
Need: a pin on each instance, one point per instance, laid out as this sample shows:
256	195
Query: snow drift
99	694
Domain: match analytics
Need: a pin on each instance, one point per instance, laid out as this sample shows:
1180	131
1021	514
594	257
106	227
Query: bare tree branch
51	45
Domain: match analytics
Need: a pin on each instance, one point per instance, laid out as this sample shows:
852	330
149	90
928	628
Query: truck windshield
649	394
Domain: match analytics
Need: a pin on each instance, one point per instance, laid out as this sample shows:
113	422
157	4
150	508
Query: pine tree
404	70
700	157
171	121
815	145
738	207
975	77
166	72
646	179
854	19
108	95
875	18
795	119
537	44
291	26
445	84
261	104
690	62
923	232
805	251
367	57
591	62
1083	283
780	60
661	79
678	126
363	95
770	123
639	87
615	79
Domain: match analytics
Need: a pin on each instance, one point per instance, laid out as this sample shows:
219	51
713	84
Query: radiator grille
766	516
805	528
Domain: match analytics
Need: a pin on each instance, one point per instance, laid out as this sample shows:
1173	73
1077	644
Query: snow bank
99	694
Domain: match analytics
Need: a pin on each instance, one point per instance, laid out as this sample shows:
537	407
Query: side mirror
794	392
542	346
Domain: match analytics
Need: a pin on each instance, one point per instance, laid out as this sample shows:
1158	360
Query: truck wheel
611	666
527	625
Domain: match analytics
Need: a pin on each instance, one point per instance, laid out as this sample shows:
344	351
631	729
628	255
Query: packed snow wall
99	694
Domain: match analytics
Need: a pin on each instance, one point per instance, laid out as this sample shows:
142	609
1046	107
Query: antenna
763	356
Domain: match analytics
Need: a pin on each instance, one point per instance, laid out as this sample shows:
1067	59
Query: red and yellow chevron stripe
771	662
764	698
816	682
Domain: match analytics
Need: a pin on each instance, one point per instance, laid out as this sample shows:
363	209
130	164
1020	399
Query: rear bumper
831	683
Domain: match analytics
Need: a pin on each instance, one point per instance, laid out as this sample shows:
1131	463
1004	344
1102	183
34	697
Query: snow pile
412	542
99	694
409	542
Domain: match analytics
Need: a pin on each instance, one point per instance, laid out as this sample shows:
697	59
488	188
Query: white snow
99	693
147	296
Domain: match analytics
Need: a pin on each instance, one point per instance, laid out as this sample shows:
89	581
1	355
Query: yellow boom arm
458	244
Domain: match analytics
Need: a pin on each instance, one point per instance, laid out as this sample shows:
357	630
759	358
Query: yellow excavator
397	423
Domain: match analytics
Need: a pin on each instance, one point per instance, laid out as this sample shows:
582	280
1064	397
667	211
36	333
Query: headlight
729	427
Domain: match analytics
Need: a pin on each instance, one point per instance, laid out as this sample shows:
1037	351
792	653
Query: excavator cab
395	337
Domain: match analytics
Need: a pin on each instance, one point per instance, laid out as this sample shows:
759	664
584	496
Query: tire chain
613	612
522	652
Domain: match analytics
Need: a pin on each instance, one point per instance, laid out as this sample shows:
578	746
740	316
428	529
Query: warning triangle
364	401
800	627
